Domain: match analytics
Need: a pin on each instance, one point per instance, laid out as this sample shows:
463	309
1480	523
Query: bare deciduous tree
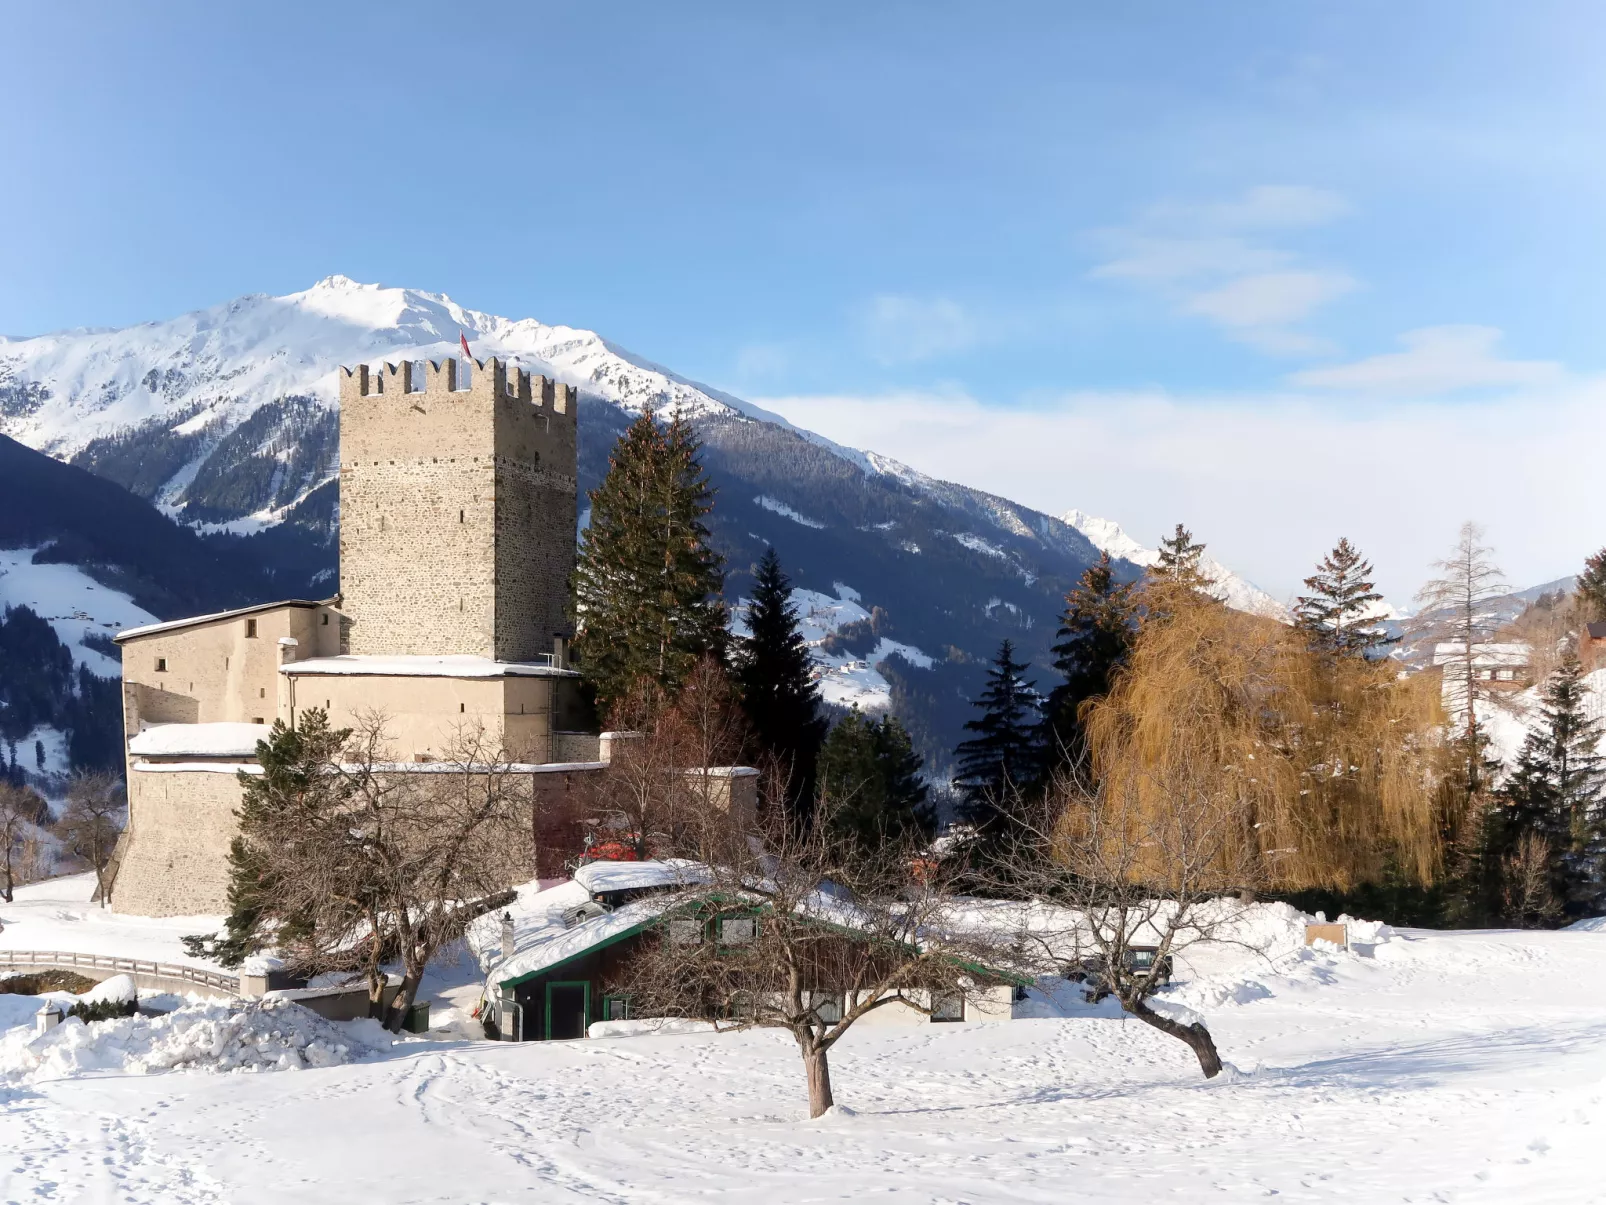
1117	875
657	794
20	810
91	821
391	860
1455	609
809	933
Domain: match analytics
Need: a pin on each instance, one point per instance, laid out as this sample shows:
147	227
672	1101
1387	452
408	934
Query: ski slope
1444	1067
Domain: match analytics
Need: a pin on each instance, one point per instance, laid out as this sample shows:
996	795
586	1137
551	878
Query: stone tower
457	510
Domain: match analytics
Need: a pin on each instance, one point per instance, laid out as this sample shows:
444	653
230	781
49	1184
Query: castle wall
182	820
180	823
214	672
424	715
466	549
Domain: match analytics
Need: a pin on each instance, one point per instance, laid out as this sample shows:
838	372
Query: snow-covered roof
199	740
629	876
455	666
172	625
1513	653
542	939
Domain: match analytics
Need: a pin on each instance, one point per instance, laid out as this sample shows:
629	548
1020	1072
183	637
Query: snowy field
1442	1067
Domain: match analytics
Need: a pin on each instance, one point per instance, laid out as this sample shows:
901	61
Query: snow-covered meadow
1416	1066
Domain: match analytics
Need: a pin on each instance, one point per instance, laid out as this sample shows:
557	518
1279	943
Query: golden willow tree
1326	766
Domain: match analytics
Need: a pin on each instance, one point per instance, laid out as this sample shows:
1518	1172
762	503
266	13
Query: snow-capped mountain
1235	591
226	419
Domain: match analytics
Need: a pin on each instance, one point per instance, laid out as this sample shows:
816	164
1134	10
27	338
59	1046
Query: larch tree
21	810
1339	610
1095	637
869	778
773	674
647	585
999	762
1456	611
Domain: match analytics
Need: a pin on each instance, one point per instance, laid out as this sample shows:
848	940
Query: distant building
1592	646
457	508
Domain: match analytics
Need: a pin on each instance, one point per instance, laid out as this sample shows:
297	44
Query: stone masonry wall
457	510
175	862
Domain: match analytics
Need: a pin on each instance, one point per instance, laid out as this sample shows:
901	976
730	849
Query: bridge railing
219	980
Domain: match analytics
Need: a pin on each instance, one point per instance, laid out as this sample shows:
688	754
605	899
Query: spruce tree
779	697
1557	790
1001	760
1592	588
647	585
870	783
295	778
1179	563
1095	636
1335	612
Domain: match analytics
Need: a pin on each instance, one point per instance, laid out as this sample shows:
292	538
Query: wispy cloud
1436	360
1213	260
905	330
1270	480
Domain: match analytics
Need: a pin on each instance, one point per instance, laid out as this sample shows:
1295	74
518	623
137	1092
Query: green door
568	1010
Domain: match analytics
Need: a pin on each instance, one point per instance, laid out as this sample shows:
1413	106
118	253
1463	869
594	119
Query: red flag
463	339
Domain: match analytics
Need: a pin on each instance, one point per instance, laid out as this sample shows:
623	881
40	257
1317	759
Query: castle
457	540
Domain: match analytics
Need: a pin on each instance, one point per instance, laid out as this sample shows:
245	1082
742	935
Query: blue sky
1159	261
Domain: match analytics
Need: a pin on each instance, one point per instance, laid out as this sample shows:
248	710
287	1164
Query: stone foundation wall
175	856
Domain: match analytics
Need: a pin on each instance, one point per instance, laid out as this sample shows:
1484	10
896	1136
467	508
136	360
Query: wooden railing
128	966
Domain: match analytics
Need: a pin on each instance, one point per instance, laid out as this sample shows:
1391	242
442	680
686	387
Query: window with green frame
737	930
616	1008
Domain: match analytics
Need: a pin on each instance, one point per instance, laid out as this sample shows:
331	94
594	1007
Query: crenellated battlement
492	378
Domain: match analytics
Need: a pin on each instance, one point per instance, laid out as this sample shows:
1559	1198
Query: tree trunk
819	1070
403	1001
1196	1036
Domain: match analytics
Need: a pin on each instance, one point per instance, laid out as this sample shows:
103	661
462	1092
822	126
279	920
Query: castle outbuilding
457	541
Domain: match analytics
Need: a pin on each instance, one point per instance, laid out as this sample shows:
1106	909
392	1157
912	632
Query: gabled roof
173	625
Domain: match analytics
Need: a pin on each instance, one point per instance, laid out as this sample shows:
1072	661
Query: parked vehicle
1138	959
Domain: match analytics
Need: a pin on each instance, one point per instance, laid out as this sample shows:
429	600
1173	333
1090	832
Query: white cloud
1261	309
1269	480
1206	261
1436	360
904	330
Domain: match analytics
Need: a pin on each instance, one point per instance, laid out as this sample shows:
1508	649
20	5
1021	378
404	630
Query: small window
686	932
262	692
737	930
256	719
616	1008
250	628
462	707
161	665
827	1008
460	518
948	1008
326	619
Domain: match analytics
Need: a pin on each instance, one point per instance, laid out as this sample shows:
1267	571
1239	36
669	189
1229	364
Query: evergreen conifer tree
869	776
1001	760
647	585
778	693
1095	636
295	764
1592	588
1179	561
1557	791
1341	596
